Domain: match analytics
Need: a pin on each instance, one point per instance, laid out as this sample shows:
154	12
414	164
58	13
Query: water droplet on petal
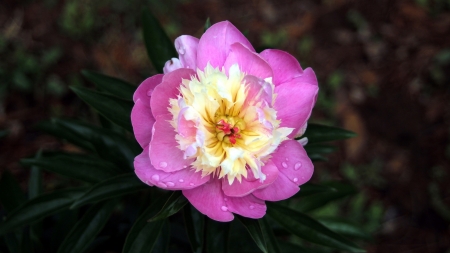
149	92
184	166
191	184
181	180
225	199
181	50
297	166
155	177
295	180
251	207
162	185
287	159
170	184
284	165
162	164
224	208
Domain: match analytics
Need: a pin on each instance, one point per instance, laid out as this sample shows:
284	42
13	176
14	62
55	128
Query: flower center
226	123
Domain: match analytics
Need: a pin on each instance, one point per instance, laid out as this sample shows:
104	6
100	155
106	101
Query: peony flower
220	124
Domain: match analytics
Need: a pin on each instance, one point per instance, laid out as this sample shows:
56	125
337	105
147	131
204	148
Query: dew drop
170	184
251	207
284	165
191	184
224	208
149	92
162	185
225	199
184	166
162	164
155	177
181	50
297	166
287	159
181	180
295	179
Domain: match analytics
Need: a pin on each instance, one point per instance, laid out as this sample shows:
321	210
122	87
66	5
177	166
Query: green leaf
109	145
81	167
315	201
321	133
317	158
344	227
309	229
35	187
87	228
195	227
38	208
111	85
11	195
207	24
114	109
4	133
272	245
111	188
309	189
254	229
319	149
217	236
144	235
290	247
162	244
160	48
174	204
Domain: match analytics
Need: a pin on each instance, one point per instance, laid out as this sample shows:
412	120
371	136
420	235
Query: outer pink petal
244	188
282	188
257	90
293	161
308	76
142	121
210	200
284	66
248	61
179	180
186	47
248	206
168	88
164	153
144	90
214	45
294	103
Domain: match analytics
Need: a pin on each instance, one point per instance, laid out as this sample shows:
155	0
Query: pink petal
249	61
308	76
214	45
257	90
284	66
164	153
293	161
186	47
210	200
248	206
142	121
179	180
144	90
247	186
281	189
294	103
172	65
168	88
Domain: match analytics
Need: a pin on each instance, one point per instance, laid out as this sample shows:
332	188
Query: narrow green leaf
309	229
143	235
254	229
321	133
111	188
207	24
315	201
160	48
109	145
319	149
272	245
38	208
217	236
114	109
35	187
163	242
81	167
87	228
4	133
195	227
111	85
290	247
65	221
344	227
309	189
11	195
174	204
317	158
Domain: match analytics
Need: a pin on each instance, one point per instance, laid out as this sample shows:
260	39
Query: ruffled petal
145	89
246	186
186	47
210	200
214	45
168	89
142	121
248	206
248	61
172	65
294	103
164	153
179	180
284	66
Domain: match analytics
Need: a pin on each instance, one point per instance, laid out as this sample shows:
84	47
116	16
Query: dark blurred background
383	68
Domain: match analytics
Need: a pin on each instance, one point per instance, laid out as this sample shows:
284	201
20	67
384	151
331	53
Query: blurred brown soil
389	94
